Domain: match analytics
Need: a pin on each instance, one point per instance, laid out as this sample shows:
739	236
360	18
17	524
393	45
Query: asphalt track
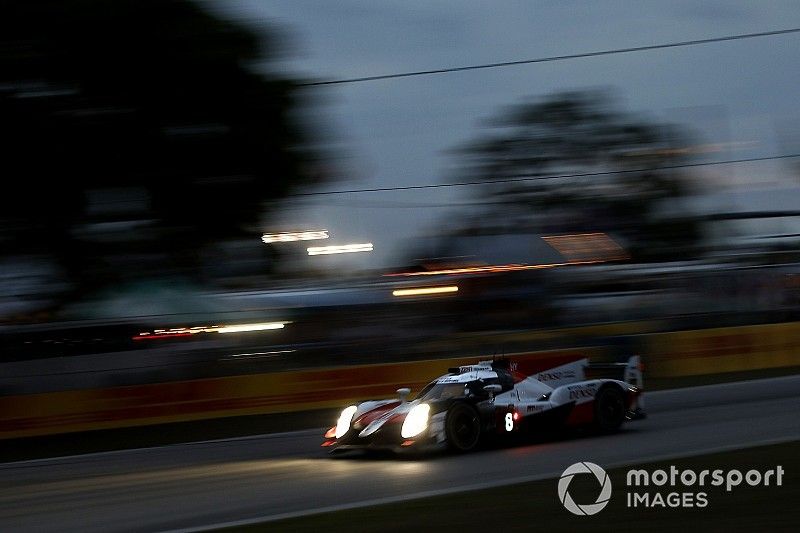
204	484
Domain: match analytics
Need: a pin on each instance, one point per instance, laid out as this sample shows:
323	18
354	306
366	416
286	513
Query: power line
549	59
532	177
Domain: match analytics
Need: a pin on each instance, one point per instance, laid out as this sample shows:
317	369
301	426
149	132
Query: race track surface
202	484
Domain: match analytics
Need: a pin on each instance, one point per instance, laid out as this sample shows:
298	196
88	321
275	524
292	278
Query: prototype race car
493	398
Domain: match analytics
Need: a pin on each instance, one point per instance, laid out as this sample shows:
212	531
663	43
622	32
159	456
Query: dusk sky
400	132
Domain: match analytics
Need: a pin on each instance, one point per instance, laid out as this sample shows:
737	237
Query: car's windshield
442	391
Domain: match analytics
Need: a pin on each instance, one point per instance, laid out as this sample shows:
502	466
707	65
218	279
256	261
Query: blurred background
223	221
205	190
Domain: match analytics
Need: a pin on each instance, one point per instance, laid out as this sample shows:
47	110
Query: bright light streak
421	291
249	327
187	332
294	236
340	249
251	354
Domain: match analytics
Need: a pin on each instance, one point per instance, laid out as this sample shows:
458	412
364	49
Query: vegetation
136	132
620	167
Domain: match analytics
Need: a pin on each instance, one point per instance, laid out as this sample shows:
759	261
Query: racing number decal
506	419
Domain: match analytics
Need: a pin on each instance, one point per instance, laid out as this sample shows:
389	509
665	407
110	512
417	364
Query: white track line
297	433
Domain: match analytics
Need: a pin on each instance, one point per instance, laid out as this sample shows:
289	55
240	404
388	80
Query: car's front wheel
463	428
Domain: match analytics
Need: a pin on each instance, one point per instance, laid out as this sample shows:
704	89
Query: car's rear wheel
463	428
609	409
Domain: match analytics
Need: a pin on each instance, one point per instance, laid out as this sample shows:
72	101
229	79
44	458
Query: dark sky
398	132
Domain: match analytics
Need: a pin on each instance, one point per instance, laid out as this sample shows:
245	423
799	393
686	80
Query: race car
493	398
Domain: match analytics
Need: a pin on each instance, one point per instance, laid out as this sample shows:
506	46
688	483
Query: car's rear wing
631	372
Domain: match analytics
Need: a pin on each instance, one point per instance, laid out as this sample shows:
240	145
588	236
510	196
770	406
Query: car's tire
462	428
609	409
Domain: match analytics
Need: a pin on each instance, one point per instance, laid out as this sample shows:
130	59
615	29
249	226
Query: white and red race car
493	398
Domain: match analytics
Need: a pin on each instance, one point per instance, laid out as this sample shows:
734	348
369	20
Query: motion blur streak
490	269
424	291
586	246
294	236
340	249
259	354
148	336
249	327
185	332
170	180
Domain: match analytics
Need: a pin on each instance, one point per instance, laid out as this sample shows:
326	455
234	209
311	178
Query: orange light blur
586	247
489	269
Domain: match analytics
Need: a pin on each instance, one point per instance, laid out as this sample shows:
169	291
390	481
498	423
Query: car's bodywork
501	398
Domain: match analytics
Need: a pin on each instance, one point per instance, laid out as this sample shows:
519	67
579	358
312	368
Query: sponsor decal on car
581	392
556	376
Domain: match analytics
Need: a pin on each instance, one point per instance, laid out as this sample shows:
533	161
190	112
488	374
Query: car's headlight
343	424
416	421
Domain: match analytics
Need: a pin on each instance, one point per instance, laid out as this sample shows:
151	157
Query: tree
156	99
624	186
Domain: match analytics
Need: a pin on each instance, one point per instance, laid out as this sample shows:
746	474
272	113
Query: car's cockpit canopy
474	388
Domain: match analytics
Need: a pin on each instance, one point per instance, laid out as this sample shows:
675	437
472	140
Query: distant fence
280	392
681	353
718	350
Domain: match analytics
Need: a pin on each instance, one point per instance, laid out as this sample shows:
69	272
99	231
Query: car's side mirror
493	389
403	393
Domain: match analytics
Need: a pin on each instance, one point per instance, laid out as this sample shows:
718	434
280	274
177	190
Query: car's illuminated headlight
343	424
416	421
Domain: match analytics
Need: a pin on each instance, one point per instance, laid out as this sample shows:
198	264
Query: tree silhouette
577	133
156	98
